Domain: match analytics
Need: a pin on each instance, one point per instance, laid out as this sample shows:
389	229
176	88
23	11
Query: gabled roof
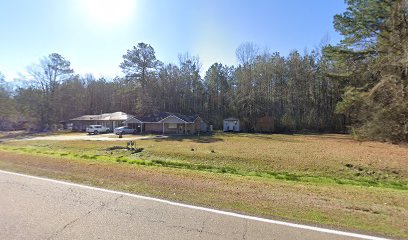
160	116
133	120
116	116
187	118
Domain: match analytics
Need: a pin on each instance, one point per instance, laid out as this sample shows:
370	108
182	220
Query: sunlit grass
332	159
325	179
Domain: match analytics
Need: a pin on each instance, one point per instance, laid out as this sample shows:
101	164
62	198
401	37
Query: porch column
141	128
185	128
163	128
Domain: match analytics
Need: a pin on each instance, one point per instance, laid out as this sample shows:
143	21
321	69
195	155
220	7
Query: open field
323	179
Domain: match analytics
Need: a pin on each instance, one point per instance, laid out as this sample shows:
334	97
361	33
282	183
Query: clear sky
94	34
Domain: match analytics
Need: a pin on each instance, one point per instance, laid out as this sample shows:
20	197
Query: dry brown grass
327	154
335	157
381	210
11	134
372	210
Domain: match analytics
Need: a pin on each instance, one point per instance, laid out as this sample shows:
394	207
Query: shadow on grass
290	137
197	139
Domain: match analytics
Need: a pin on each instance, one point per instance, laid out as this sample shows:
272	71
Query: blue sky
94	34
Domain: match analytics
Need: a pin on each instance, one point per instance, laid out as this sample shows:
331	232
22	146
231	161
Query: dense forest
358	86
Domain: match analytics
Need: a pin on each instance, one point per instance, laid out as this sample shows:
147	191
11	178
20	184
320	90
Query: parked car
123	130
96	129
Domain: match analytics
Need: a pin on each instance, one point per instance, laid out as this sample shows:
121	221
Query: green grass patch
92	151
309	196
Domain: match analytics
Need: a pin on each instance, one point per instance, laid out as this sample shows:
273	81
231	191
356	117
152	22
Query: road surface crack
69	224
188	229
202	228
245	230
80	217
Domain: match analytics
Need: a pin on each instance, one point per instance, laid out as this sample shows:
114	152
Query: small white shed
231	125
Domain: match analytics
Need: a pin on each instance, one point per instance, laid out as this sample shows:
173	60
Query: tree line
268	92
359	85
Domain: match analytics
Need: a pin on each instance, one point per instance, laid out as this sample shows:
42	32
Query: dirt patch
116	148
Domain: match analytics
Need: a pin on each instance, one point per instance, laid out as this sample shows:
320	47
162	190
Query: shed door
230	126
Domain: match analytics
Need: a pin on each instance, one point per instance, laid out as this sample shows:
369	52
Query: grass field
323	179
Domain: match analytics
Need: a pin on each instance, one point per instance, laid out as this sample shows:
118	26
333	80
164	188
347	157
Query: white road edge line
293	225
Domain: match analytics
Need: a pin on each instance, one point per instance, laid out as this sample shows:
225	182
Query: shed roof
231	119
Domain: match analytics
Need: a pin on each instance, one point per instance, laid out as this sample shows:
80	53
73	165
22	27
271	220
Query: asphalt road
35	208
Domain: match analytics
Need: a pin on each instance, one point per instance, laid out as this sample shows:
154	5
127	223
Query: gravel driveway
99	137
